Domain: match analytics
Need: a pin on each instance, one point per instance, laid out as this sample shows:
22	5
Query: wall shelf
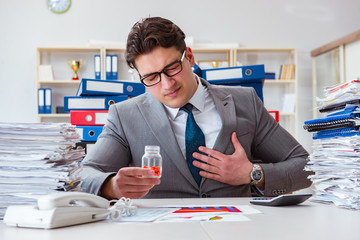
63	85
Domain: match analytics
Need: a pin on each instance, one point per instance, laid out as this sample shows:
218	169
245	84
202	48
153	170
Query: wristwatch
256	174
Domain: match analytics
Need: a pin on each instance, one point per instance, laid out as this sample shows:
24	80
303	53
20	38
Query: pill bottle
152	160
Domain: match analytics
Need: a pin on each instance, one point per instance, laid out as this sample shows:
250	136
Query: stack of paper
336	149
338	96
336	162
36	159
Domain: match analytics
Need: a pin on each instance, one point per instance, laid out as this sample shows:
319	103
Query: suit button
204	195
274	192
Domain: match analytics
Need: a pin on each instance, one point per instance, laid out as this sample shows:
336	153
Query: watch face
59	6
257	174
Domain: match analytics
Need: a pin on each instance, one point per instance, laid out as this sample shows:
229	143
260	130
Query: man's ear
190	56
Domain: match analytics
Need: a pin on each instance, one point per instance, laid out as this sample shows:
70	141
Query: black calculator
282	200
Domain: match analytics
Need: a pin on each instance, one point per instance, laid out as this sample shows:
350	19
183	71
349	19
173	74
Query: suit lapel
156	118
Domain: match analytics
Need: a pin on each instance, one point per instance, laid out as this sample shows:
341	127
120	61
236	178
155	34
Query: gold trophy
215	64
75	65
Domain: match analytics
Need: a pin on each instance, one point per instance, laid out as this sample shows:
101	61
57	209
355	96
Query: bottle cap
152	148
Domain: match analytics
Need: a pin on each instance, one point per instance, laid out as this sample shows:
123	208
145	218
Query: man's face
173	91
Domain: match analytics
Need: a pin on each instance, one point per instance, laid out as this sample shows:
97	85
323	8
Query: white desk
306	221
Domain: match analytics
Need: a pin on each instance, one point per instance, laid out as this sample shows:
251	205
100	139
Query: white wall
303	24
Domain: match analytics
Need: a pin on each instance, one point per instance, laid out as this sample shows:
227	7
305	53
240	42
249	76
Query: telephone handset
72	199
65	209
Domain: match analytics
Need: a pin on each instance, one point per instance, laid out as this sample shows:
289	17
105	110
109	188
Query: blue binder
108	67
93	87
232	75
349	117
270	75
342	132
97	67
89	133
114	67
245	76
41	100
197	70
48	100
257	84
91	102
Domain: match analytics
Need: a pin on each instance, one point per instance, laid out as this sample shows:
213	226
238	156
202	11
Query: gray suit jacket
142	120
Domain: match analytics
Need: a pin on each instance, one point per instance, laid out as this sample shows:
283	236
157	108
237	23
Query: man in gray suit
236	127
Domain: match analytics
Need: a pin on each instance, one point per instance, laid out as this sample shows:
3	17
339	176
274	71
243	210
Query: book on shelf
45	73
290	73
287	72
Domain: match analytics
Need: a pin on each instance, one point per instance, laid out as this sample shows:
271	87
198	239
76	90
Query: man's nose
166	81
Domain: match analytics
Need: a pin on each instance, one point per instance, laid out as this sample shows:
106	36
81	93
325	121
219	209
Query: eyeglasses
169	70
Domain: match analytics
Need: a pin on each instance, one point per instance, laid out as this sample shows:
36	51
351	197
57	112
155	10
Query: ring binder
349	117
343	132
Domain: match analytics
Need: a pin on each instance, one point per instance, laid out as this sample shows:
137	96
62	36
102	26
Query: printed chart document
192	213
148	214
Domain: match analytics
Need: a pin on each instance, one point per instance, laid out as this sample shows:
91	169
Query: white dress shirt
206	116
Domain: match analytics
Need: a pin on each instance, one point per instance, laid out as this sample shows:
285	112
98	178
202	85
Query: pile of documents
336	149
338	96
336	163
37	159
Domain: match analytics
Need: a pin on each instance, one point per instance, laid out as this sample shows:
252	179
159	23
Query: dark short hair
150	33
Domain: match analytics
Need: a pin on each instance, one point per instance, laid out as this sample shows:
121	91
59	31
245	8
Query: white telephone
64	209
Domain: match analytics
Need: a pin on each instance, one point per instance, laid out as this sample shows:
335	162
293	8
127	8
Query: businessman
209	136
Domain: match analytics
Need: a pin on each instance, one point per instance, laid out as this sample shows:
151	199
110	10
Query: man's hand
231	169
129	182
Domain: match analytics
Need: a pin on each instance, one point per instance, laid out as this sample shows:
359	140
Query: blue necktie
194	138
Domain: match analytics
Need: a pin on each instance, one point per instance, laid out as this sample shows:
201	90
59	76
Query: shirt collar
197	100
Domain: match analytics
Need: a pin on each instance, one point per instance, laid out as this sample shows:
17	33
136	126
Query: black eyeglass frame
163	71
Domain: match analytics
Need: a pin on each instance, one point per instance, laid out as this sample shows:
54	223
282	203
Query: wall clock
59	6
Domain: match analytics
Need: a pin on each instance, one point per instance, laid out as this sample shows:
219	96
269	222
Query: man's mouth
172	93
